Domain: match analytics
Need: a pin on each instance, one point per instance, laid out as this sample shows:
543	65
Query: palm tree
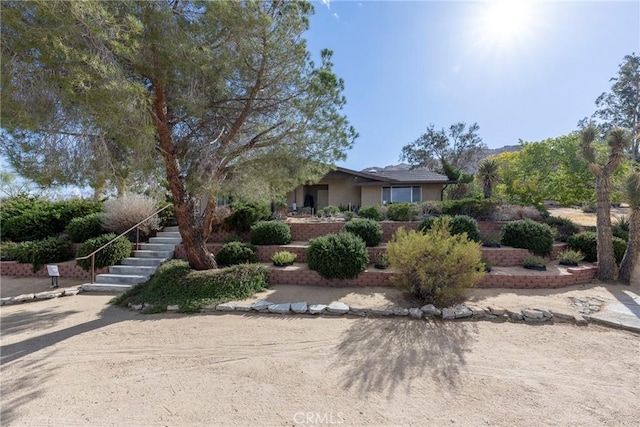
618	140
488	175
630	259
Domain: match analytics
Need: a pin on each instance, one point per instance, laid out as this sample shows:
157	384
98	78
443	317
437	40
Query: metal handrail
92	255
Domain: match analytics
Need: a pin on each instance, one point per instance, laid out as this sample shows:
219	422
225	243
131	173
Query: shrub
436	267
244	215
457	225
587	243
176	283
400	212
533	261
570	256
283	258
620	227
589	208
564	227
475	208
6	248
490	239
111	255
85	228
41	252
233	253
167	217
371	212
382	262
270	233
124	212
338	256
528	234
430	208
232	238
328	211
367	229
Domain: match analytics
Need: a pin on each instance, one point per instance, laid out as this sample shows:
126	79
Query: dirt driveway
76	361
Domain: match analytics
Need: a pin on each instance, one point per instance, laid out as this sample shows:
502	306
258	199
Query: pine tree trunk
630	258
606	258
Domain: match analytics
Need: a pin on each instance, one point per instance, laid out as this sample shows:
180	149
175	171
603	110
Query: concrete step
136	270
106	287
172	234
157	247
153	262
153	254
121	278
172	228
165	240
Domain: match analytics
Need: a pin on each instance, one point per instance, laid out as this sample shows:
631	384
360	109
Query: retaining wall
68	270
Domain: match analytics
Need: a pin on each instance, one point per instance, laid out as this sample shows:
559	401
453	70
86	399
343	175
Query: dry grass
581	218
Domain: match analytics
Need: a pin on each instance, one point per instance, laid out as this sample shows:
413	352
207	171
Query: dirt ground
76	361
581	218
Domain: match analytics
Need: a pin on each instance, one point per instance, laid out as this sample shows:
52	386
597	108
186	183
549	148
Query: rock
358	312
147	305
491	317
280	308
317	308
243	307
532	314
477	311
513	315
24	297
136	306
208	307
71	291
415	313
545	313
497	311
381	313
430	310
563	317
6	301
461	312
534	320
261	305
338	307
299	307
448	314
401	312
48	294
580	321
173	307
226	306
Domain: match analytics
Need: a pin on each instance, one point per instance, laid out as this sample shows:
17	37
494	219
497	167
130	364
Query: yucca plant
488	175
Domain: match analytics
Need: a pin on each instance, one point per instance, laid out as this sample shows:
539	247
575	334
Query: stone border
54	293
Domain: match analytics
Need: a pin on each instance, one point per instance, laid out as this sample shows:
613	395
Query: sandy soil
579	217
76	361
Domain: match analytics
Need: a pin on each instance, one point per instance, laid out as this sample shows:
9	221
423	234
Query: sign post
54	273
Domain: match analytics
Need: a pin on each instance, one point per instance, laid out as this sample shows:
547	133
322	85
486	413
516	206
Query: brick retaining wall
68	270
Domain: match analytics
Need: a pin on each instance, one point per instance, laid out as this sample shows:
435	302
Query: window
401	194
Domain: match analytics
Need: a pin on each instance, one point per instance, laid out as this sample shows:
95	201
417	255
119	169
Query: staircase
139	268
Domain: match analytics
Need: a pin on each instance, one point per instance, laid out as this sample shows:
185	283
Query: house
372	186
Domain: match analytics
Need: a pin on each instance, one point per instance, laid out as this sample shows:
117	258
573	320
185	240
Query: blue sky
521	70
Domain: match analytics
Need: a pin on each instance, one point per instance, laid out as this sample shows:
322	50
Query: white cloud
335	15
326	3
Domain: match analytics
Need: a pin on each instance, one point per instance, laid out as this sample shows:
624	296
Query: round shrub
528	234
111	255
427	223
85	228
563	227
41	252
400	212
124	212
233	253
328	211
367	229
338	256
270	233
458	224
587	243
371	212
244	215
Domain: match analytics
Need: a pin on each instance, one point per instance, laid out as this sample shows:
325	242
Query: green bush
283	257
111	255
244	215
563	227
528	234
328	211
232	238
458	224
338	256
436	267
6	248
587	243
175	283
480	209
41	252
371	212
620	227
85	228
367	229
400	212
168	216
233	253
21	203
270	233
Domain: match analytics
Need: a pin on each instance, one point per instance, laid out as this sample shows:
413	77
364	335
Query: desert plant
400	212
382	262
111	255
270	233
328	211
41	252
367	229
436	267
533	261
564	227
488	175
244	215
371	212
491	240
589	208
457	225
167	217
338	256
283	258
487	265
124	212
85	228
233	253
475	208
620	227
570	257
586	242
528	234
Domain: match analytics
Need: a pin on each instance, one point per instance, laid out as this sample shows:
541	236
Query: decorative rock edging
426	312
55	293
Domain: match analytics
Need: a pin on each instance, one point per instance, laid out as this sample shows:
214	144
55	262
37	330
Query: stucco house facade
372	186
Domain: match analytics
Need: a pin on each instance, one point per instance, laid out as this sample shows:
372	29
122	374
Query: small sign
53	270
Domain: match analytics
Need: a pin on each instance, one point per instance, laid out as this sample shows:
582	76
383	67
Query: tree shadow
384	354
21	321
